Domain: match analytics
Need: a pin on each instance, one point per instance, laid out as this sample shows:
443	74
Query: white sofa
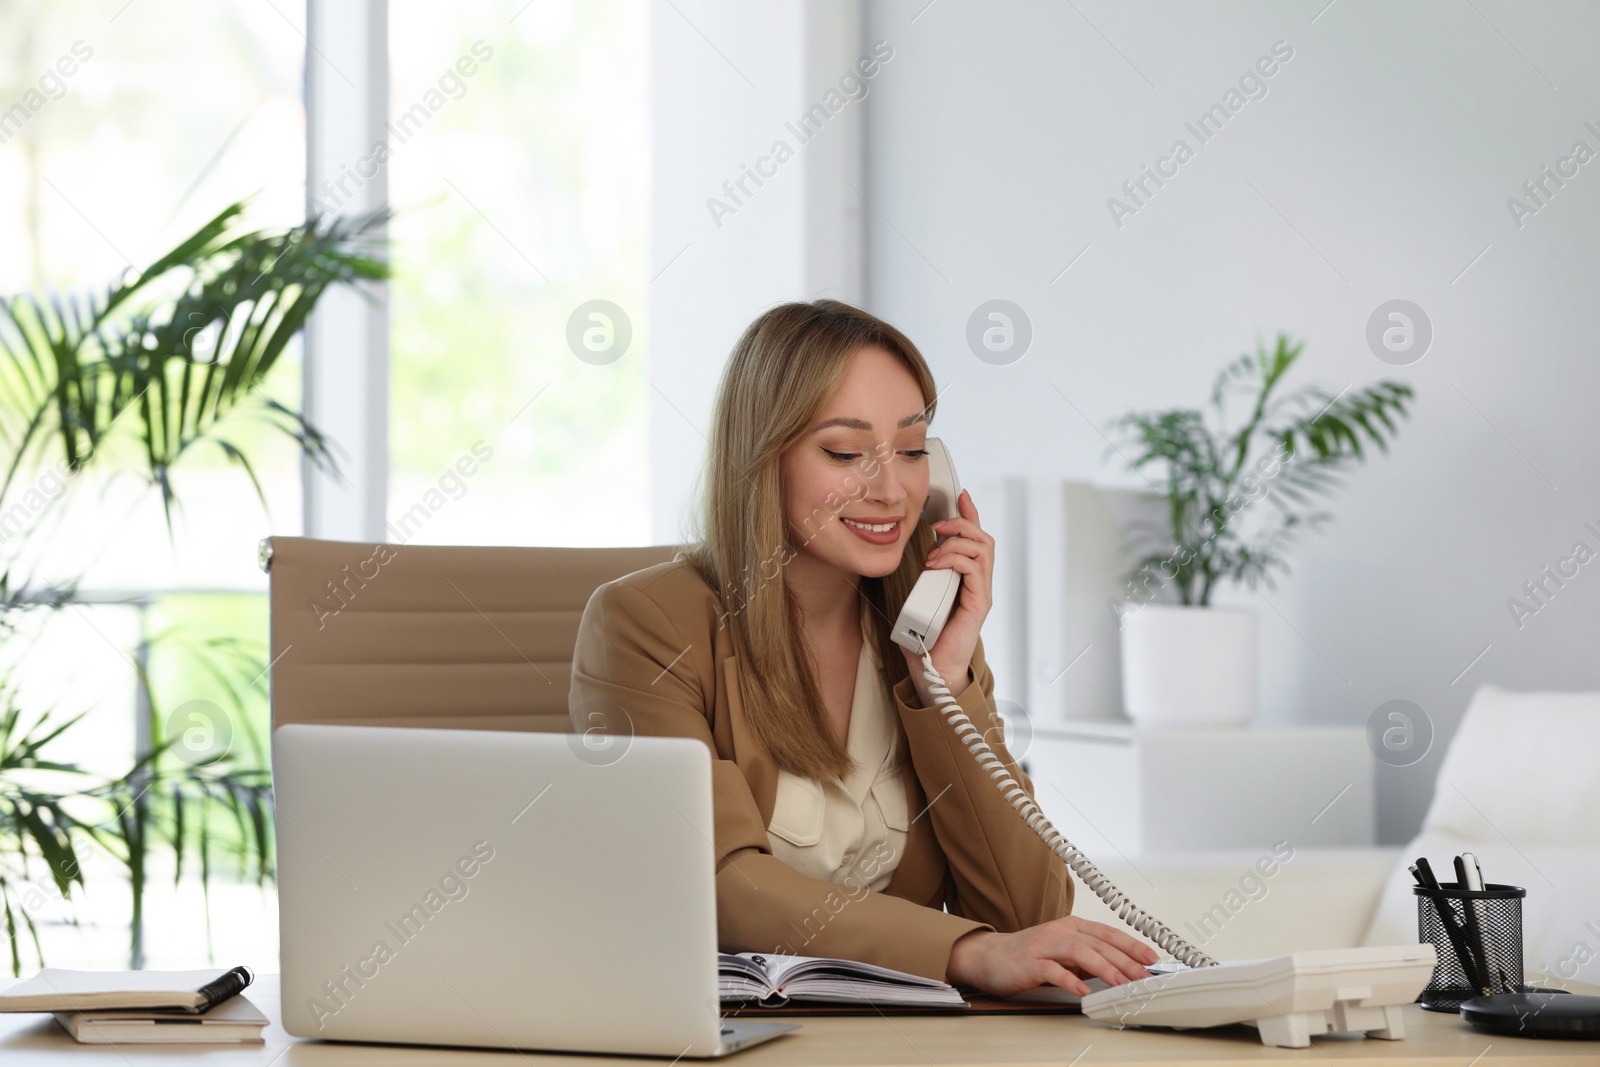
1519	786
1220	901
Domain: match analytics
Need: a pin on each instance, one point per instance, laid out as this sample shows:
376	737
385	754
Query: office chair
431	635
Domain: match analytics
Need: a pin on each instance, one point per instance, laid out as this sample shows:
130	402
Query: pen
1423	871
1464	880
1474	872
1475	881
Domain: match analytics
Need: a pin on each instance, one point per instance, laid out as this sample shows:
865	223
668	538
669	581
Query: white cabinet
1113	789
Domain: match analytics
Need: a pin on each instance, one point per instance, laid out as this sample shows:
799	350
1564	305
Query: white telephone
932	599
1288	999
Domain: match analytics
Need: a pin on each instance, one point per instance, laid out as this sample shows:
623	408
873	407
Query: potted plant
166	362
1185	661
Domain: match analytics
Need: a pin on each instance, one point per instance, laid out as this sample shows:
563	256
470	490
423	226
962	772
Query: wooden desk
914	1041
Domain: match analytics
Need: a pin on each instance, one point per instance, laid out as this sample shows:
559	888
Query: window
519	164
122	128
522	182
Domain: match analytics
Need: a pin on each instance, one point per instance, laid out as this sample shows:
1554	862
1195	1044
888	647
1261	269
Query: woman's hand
969	551
1060	952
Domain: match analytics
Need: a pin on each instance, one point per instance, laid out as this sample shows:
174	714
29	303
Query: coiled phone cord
1080	865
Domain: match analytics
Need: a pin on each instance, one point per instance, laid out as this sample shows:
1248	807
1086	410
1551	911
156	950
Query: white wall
729	82
1377	166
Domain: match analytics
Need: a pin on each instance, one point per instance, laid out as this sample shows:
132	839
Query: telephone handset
921	620
1288	999
934	596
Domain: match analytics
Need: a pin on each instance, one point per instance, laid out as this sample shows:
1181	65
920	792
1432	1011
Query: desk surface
903	1041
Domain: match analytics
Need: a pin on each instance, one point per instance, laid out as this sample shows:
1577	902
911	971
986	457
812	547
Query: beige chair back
431	635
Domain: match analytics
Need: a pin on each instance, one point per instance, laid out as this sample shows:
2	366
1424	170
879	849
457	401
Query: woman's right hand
1060	952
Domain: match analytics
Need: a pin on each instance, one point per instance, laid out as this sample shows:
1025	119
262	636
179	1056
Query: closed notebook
53	989
233	1021
774	979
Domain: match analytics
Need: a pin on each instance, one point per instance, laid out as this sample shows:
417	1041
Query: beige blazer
650	644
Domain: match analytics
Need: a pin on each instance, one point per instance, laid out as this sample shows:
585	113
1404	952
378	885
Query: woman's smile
879	532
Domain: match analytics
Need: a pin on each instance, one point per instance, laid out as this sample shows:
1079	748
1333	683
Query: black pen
1458	938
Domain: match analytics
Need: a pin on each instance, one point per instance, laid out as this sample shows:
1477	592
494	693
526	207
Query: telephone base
1296	1029
1289	999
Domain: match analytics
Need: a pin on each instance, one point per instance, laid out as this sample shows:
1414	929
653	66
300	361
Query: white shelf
1114	788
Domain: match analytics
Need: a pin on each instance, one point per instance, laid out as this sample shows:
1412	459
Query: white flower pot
1189	666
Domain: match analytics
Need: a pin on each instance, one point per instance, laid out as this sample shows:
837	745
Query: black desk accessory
1477	934
1547	1013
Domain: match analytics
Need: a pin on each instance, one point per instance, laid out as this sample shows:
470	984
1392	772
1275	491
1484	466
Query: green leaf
1304	437
85	365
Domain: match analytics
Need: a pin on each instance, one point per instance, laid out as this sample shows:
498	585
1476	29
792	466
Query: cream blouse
853	830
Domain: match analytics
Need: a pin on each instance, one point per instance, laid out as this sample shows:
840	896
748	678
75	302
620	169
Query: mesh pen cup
1487	923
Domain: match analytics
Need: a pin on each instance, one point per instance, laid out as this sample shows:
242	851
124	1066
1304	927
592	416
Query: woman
849	821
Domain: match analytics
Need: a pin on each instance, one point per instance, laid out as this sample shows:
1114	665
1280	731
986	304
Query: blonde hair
779	378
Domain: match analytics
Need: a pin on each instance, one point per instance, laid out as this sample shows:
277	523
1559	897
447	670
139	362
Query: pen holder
1495	923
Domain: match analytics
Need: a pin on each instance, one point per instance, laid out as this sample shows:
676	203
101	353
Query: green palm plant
1290	449
183	345
52	813
159	365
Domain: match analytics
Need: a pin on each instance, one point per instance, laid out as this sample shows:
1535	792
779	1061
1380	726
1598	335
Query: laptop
499	889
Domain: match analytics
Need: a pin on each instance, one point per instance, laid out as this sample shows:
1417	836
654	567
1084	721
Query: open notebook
772	979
